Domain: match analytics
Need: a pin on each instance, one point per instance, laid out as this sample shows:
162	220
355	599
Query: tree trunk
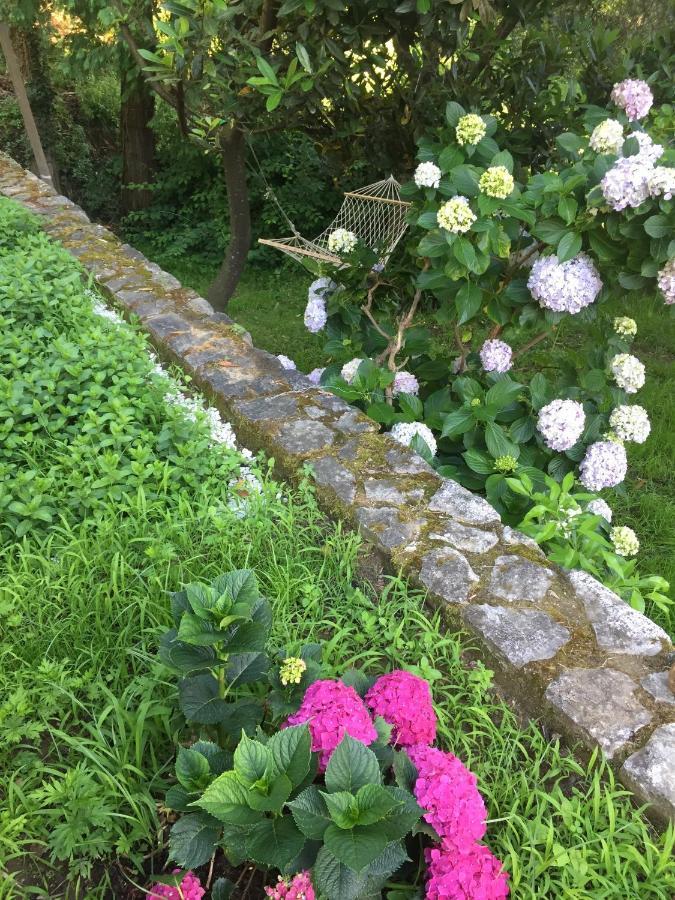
137	139
233	155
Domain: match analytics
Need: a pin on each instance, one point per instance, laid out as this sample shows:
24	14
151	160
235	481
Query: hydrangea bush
333	787
504	260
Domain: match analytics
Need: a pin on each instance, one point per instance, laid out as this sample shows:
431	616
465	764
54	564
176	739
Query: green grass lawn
270	305
88	716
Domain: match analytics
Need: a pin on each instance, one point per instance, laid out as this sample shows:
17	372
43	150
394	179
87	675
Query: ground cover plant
89	711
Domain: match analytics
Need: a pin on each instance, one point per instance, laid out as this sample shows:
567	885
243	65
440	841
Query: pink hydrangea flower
333	709
297	888
475	875
447	790
634	96
190	889
404	700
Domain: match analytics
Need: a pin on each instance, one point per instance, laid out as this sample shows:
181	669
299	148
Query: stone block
447	574
600	706
464	537
328	472
518	580
519	636
456	501
650	772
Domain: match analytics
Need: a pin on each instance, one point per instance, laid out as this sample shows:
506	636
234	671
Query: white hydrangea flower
342	241
427	174
349	370
470	129
628	372
607	137
598	507
404	432
561	424
496	182
456	215
625	326
661	182
625	540
405	383
630	423
649	152
286	362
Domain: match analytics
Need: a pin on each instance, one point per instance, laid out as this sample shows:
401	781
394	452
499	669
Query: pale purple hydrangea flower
315	375
561	424
349	370
427	174
604	465
666	282
630	423
286	362
405	383
634	96
598	507
564	287
404	432
649	152
627	183
496	356
315	311
661	182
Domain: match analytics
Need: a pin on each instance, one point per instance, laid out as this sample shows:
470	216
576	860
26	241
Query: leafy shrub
501	256
332	792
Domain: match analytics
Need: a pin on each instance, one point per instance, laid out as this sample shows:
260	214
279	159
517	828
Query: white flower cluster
315	312
624	326
427	174
625	540
193	409
470	129
342	241
404	432
598	507
456	215
349	370
633	179
628	372
286	362
607	137
666	281
496	182
561	424
564	287
630	423
604	465
405	383
661	183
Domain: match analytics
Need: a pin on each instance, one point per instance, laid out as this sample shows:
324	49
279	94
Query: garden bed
90	716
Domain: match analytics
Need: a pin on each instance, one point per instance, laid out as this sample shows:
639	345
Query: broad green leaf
458	422
275	842
568	246
400	821
453	113
374	802
226	799
246	668
503	392
342	808
242	714
310	812
355	848
468	300
192	841
184	657
569	142
274	799
334	880
658	226
251	760
200	701
497	442
291	752
351	766
192	769
479	462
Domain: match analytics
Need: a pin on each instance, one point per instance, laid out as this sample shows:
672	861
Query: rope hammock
375	214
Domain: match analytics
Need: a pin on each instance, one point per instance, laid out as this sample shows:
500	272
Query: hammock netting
374	213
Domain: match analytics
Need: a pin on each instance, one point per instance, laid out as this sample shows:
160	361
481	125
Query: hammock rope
375	214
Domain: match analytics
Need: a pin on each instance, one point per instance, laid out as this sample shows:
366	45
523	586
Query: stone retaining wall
568	650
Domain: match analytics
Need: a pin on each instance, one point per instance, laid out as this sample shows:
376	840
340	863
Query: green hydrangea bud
291	670
505	464
470	129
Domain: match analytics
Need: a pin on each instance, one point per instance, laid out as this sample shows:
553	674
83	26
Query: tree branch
533	343
166	95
